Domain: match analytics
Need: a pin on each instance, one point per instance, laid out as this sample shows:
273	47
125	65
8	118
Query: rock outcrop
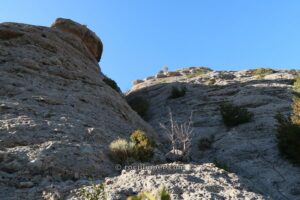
57	115
250	150
183	181
89	38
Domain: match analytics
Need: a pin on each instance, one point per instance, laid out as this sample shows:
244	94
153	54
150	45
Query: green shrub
296	111
297	84
139	148
177	92
288	137
143	145
205	143
221	165
163	194
211	81
262	72
112	84
235	115
121	150
288	129
140	105
94	193
198	73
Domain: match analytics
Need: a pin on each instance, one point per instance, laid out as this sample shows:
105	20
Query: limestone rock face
250	149
57	115
89	38
183	181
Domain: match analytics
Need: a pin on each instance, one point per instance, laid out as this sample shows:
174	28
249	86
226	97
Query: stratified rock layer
57	115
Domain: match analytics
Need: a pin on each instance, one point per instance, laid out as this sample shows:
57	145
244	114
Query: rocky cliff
57	115
250	149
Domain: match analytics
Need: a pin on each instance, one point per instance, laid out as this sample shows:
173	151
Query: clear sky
142	36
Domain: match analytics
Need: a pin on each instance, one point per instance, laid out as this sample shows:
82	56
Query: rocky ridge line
249	150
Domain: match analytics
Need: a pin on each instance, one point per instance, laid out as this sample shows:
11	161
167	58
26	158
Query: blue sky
142	36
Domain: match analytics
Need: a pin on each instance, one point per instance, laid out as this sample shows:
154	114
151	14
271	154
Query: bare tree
180	135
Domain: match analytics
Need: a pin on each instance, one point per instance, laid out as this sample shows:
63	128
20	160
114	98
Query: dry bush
139	148
180	135
121	150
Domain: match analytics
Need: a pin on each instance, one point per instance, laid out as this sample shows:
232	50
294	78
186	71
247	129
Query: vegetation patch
234	115
180	136
296	111
288	136
177	92
121	150
140	105
143	145
162	194
112	84
140	147
211	81
288	129
205	143
95	192
297	84
221	165
262	72
198	73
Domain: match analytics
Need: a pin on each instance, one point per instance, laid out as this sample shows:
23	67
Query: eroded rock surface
89	38
249	149
57	115
58	118
183	181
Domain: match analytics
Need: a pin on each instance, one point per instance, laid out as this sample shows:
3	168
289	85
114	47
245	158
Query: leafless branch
180	135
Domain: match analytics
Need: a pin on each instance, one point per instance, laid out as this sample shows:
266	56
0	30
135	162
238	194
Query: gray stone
57	115
196	182
174	155
249	150
89	38
135	82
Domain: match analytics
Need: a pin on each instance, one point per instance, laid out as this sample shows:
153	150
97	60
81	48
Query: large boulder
57	115
89	38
